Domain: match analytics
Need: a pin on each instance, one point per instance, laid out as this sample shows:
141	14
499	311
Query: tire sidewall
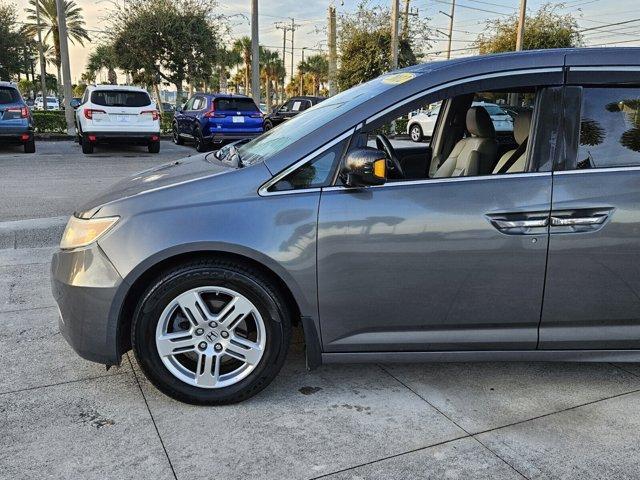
155	301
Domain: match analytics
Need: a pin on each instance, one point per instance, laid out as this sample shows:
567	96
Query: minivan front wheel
211	332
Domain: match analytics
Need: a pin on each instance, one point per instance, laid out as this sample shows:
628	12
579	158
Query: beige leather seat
473	154
521	126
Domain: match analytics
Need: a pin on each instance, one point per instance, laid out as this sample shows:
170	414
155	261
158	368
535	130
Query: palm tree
243	47
103	57
271	70
49	24
318	67
226	60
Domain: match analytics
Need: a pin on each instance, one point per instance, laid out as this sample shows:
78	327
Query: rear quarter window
9	95
236	104
119	98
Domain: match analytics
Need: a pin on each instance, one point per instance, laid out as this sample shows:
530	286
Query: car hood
176	172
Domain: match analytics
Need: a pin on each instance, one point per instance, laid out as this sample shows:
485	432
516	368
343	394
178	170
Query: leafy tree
50	81
103	57
26	87
165	40
545	29
226	59
364	41
12	42
49	23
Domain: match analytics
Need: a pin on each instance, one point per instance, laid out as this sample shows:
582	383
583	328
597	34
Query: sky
310	16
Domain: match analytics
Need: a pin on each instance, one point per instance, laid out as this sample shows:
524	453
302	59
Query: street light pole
333	51
43	67
255	54
66	69
302	73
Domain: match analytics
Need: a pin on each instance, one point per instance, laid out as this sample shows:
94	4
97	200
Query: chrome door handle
574	221
502	224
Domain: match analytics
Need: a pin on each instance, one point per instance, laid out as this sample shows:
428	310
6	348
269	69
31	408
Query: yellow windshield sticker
398	78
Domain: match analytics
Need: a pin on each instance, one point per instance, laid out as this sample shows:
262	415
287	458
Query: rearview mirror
364	167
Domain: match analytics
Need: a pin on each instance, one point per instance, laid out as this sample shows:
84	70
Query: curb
32	233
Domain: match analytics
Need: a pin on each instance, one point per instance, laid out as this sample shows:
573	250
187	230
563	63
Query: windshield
494	110
275	140
120	98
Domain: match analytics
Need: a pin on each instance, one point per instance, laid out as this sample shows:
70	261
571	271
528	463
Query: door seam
546	265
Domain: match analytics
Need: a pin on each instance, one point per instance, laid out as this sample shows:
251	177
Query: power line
609	25
473	8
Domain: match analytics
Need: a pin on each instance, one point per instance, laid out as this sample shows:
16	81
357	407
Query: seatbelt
517	153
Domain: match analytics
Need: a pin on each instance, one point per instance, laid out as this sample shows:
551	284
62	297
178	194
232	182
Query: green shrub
166	121
401	125
49	122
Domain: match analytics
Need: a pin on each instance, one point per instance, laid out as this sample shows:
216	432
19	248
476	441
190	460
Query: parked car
117	114
382	254
16	123
212	119
421	125
75	102
52	103
289	110
168	107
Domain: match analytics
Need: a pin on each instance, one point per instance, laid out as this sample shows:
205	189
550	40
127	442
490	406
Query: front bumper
85	285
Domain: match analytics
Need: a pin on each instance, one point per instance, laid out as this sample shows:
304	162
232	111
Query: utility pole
284	27
333	52
521	17
514	98
43	68
293	29
302	74
255	54
453	9
394	33
66	69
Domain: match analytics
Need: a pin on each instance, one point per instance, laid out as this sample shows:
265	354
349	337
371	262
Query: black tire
267	125
87	146
176	137
415	132
199	142
154	146
248	281
30	146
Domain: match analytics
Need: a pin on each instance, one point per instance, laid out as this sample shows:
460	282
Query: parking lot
65	418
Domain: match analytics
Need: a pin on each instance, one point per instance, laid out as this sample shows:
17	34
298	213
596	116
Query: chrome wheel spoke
208	370
193	307
244	350
175	343
234	312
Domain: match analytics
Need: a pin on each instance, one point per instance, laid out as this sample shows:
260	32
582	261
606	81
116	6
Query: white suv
52	103
112	113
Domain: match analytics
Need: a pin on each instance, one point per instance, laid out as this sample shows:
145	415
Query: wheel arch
138	281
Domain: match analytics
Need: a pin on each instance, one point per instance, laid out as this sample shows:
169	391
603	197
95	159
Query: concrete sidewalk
64	418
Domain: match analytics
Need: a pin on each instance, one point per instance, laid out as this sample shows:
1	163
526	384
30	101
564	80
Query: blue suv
211	119
16	123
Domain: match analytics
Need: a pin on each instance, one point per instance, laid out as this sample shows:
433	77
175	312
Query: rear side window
609	128
120	98
235	104
9	95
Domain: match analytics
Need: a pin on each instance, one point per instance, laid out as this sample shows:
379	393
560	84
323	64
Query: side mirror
364	167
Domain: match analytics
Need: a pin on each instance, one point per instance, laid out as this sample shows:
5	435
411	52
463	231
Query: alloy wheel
210	337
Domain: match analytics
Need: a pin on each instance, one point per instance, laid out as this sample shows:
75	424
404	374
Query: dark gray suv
473	246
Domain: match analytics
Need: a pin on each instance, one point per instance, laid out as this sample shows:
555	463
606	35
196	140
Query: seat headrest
479	123
521	127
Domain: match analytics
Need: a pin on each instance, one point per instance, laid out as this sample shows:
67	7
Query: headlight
81	232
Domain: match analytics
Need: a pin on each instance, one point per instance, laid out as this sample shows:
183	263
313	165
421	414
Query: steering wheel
383	143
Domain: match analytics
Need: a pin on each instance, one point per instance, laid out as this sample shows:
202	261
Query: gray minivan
468	247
